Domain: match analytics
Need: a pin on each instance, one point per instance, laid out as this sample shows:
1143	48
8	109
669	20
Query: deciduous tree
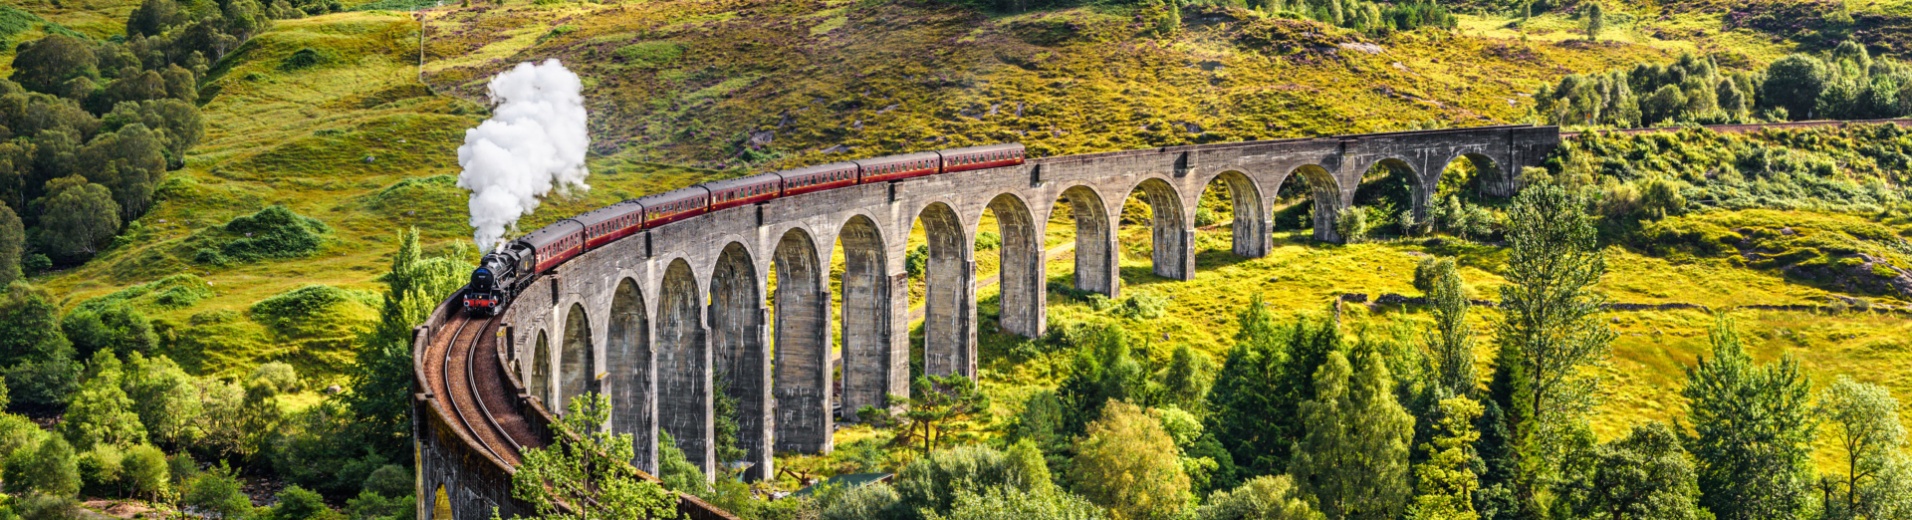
1878	476
1646	475
1550	329
588	471
1128	463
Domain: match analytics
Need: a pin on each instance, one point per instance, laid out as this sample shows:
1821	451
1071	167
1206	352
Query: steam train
505	272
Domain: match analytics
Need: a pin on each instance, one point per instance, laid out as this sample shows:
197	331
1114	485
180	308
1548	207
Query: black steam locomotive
502	274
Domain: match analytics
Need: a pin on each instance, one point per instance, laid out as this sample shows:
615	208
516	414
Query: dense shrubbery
91	127
1847	83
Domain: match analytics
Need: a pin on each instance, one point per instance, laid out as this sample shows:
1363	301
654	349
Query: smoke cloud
534	142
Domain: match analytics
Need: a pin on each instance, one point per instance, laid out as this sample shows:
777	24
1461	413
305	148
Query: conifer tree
1752	431
1354	457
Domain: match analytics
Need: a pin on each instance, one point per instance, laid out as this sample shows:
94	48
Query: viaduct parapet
665	320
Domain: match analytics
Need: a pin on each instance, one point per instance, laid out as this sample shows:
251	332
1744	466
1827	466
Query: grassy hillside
758	82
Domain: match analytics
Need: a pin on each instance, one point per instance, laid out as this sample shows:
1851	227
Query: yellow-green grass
883	77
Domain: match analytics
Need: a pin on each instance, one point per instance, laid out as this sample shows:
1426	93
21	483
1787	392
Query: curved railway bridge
662	320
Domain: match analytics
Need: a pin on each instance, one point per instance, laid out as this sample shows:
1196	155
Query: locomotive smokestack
534	142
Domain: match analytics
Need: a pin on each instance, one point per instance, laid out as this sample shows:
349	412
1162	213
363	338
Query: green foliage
1596	19
48	468
1550	330
650	54
101	413
1647	474
1353	459
165	398
1008	504
294	312
40	370
589	471
273	232
1752	431
1128	463
1878	474
78	219
217	491
1261	498
676	470
1450	343
172	292
935	402
297	503
100	468
113	327
371	506
1269	372
1103	371
13	242
1352	225
934	484
872	501
1445	480
306	58
144	472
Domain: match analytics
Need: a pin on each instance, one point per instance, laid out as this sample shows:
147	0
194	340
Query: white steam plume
534	141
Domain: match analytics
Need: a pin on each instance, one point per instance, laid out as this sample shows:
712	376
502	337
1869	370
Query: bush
218	493
115	328
100	469
1352	225
297	503
145	473
49	468
870	501
274	232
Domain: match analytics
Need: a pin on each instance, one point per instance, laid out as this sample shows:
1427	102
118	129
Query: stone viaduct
663	321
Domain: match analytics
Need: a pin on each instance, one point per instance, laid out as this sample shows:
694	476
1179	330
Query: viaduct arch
671	320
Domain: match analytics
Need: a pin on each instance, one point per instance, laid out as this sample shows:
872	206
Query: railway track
465	369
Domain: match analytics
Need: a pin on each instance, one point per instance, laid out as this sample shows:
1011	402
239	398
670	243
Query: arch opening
1474	177
872	367
802	374
629	384
742	359
683	366
1080	213
576	367
1391	197
539	384
942	270
1308	199
1233	200
1019	263
1155	204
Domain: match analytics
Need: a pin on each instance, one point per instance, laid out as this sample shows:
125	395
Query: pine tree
1245	396
1752	431
1353	459
382	377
